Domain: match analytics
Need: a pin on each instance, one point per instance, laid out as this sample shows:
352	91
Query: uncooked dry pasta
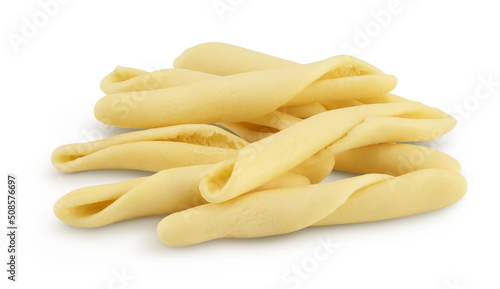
364	198
372	197
319	137
163	148
176	189
225	59
151	150
124	79
294	124
215	57
165	192
244	96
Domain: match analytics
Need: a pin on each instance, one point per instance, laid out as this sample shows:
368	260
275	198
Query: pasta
124	79
176	189
372	197
305	141
226	59
163	148
292	123
165	192
151	150
244	96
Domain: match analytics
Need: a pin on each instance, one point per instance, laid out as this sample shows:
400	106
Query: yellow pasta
244	96
226	59
370	197
272	123
319	137
124	79
163	148
293	122
151	150
165	192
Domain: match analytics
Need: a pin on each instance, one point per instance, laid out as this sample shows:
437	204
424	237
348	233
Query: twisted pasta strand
242	97
151	150
414	189
165	192
319	137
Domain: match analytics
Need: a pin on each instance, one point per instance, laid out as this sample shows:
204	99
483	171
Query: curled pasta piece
244	96
359	199
260	214
165	192
125	79
252	132
414	188
151	150
226	59
306	142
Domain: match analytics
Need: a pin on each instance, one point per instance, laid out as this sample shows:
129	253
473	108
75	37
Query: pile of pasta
240	142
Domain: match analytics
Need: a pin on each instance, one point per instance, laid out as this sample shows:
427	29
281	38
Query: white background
439	50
